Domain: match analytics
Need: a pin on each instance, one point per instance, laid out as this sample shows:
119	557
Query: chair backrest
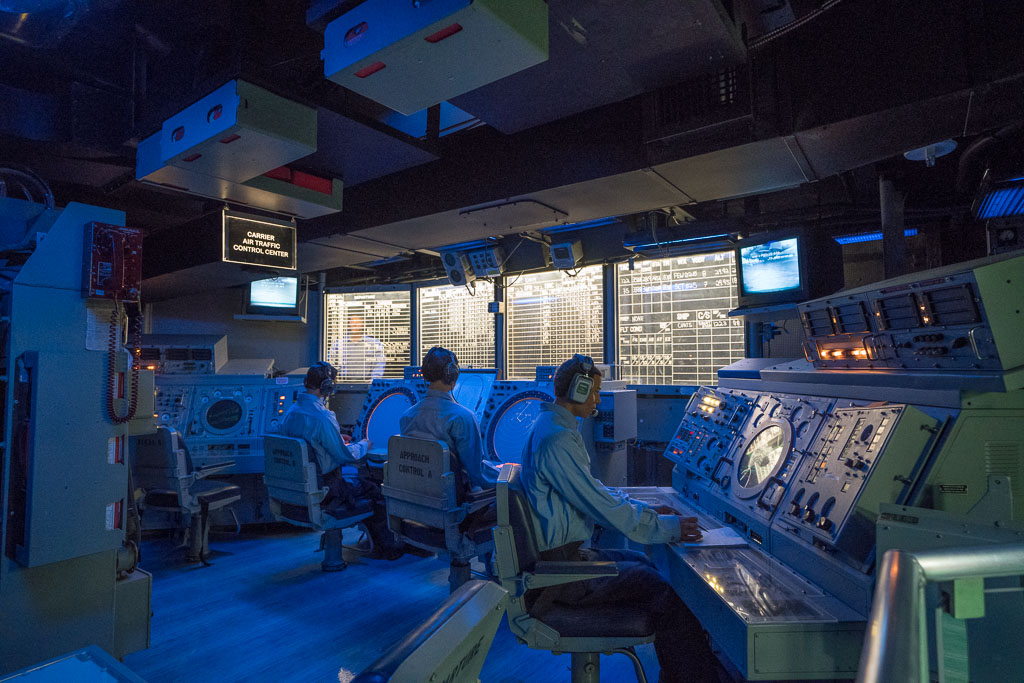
450	646
419	487
291	480
419	466
286	460
514	512
160	461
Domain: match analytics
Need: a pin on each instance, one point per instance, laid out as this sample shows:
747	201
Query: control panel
745	451
832	502
223	418
959	318
712	420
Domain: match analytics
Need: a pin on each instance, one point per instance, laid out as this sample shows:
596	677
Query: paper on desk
722	537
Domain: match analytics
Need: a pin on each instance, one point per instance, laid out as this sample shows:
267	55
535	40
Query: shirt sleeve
563	461
469	445
329	437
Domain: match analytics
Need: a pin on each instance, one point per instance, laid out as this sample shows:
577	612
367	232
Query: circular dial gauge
761	457
512	423
224	414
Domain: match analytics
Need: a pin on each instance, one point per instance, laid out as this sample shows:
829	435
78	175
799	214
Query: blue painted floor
265	612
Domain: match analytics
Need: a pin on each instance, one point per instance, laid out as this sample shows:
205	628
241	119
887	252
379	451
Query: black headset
582	383
328	373
451	364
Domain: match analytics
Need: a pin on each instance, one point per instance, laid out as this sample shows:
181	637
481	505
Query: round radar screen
511	425
223	415
381	421
762	458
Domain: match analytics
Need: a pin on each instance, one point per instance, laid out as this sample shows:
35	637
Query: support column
894	244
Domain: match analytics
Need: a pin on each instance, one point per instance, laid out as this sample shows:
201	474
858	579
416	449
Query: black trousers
344	493
684	653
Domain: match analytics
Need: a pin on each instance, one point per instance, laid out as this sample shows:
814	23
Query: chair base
586	666
332	544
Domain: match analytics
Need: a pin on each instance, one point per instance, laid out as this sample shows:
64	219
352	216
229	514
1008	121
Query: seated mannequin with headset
438	416
309	418
566	500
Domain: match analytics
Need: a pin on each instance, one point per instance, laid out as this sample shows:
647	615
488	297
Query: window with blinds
458	320
673	326
551	316
367	333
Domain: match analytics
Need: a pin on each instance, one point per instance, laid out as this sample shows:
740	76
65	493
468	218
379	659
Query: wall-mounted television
787	267
275	298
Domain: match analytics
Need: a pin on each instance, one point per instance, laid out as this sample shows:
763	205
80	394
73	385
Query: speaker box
457	267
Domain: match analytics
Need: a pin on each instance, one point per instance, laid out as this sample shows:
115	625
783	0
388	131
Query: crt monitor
787	267
273	296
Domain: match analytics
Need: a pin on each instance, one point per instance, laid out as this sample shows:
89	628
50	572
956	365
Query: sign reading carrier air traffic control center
258	241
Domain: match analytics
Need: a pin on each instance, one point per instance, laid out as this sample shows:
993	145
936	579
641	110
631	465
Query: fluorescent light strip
870	236
1005	201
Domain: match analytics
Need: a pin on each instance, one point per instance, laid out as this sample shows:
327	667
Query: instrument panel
222	418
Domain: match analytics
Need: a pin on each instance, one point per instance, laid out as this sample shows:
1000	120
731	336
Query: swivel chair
585	632
425	509
162	468
451	645
296	496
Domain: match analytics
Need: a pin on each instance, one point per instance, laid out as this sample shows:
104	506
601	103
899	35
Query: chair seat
598	621
359	507
214	492
161	498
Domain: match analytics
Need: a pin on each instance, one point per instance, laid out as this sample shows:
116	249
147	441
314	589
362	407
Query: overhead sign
258	241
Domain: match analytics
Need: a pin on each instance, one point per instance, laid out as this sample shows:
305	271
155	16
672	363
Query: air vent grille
851	318
698	102
952	306
818	323
899	312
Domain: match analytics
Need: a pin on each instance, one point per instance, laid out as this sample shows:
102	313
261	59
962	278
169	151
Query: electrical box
488	262
565	255
411	55
616	417
112	262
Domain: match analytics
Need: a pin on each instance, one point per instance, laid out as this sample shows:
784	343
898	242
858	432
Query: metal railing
896	641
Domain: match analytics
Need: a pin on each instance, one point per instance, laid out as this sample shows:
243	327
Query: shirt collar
562	414
307	398
437	393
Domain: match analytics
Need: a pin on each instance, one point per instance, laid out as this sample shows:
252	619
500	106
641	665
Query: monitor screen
276	292
770	267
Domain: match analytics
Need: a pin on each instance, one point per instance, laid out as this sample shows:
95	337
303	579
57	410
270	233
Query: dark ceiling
745	113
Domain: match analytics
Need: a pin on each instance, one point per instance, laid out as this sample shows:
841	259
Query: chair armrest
204	471
556	573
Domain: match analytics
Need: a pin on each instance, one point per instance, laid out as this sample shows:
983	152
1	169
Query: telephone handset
112	269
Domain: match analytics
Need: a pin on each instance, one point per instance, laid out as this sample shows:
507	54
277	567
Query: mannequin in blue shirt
567	500
310	419
438	416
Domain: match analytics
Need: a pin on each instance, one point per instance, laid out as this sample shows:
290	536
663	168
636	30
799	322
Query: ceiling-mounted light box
411	55
235	144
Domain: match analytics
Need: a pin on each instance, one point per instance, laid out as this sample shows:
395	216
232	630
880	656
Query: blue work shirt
308	418
438	416
566	498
